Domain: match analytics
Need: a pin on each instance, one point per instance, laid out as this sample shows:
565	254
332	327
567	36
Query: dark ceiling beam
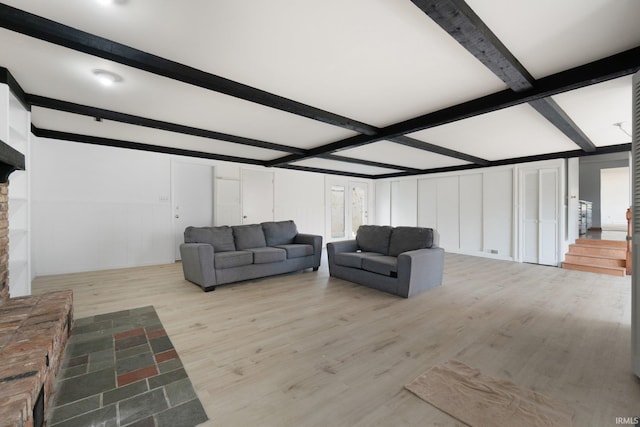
70	107
354	160
551	111
415	143
326	171
108	142
462	23
7	78
466	27
602	70
53	32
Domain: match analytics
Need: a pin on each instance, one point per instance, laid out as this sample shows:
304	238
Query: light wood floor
309	350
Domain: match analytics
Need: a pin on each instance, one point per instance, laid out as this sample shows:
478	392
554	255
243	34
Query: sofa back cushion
279	232
248	236
405	239
374	238
221	238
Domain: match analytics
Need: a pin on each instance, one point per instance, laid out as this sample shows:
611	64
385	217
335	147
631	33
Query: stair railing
629	234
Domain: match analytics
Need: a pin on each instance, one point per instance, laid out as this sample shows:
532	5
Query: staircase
597	256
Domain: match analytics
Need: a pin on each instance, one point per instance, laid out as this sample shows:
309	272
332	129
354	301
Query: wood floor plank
309	350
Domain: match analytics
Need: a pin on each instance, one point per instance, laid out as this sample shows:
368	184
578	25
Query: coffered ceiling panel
548	36
601	110
509	133
389	152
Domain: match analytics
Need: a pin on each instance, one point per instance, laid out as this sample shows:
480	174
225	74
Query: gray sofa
404	261
214	256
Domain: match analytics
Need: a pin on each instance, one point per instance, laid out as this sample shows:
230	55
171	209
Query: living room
115	174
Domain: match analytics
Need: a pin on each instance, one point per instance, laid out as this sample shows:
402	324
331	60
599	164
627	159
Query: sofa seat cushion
374	238
221	238
268	255
232	259
354	259
405	239
248	236
297	250
279	232
385	265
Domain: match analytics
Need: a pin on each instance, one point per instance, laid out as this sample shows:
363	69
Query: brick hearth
33	333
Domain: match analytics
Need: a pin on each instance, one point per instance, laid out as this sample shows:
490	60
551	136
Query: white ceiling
375	61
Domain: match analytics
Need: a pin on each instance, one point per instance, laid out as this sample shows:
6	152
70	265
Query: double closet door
540	215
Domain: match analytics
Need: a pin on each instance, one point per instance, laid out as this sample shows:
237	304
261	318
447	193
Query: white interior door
539	190
192	198
228	210
548	217
257	196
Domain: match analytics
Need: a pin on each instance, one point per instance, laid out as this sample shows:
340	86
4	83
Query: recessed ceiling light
107	78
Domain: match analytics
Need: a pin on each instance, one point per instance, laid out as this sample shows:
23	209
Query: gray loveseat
404	261
214	256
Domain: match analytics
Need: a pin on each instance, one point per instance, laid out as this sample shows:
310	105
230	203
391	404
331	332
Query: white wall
300	196
100	207
97	208
614	198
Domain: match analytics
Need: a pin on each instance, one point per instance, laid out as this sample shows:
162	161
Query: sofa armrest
313	240
420	270
334	248
342	246
198	264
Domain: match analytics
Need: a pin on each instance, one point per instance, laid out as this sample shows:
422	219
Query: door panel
530	216
448	211
471	212
228	207
540	215
192	198
257	196
548	196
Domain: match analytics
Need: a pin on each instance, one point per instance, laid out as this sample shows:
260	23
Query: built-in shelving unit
18	129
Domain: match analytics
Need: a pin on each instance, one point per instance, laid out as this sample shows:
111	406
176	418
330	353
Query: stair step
607	243
612	271
599	250
595	260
